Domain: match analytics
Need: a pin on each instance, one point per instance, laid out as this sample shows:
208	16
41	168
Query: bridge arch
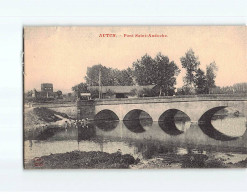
174	122
137	114
136	120
106	115
207	116
205	123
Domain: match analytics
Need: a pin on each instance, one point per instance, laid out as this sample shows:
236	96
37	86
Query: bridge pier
85	109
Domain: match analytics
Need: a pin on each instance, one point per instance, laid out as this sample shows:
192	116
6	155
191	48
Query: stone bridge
194	107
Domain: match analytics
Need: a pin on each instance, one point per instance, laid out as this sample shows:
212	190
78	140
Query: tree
29	93
182	91
109	76
145	70
201	82
159	71
190	62
92	77
240	87
211	70
80	88
166	73
123	77
59	93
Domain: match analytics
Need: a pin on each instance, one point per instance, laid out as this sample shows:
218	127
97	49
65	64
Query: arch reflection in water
106	125
174	122
136	120
137	114
138	126
221	123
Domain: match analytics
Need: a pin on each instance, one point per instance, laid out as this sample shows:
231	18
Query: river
148	140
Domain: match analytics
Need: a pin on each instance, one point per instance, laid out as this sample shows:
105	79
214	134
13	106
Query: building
47	87
46	92
120	91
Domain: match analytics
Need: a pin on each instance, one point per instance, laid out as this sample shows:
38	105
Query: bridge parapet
169	99
193	106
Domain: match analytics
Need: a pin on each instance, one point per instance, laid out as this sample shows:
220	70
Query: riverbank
40	121
216	160
83	160
103	160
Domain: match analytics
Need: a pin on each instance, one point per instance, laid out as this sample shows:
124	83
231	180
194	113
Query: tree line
159	71
236	88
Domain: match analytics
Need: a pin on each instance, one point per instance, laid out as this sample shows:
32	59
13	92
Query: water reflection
142	138
86	132
210	131
233	127
223	124
170	127
174	122
138	126
106	125
42	133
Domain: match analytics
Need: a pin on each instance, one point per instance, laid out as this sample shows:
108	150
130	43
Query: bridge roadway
194	107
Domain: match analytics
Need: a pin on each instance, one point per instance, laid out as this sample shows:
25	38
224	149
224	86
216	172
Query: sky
61	55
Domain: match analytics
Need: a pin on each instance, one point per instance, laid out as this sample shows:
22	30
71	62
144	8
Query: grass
83	160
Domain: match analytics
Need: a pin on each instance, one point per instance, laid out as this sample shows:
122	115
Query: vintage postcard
137	97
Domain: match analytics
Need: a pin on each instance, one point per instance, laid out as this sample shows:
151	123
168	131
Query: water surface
146	139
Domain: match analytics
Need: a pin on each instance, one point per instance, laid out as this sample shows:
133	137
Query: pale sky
61	55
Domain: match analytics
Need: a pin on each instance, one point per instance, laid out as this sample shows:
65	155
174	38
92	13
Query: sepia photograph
134	97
